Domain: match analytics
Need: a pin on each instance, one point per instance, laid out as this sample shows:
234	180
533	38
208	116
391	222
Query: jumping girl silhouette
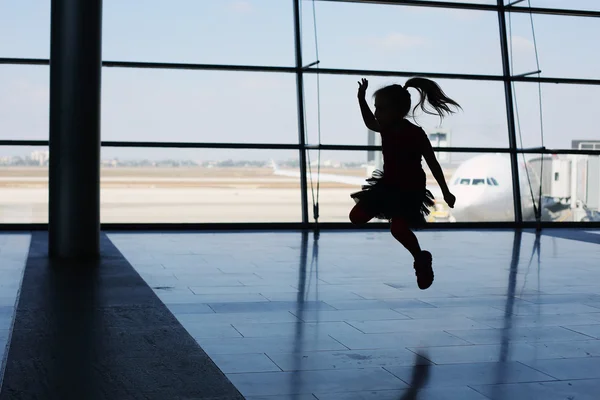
398	193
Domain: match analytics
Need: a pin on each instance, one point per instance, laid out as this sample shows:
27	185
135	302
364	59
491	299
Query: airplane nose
468	200
460	210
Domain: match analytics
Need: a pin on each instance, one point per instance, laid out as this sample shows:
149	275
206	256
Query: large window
25	29
161	105
481	123
481	182
208	117
590	5
569	113
563	45
24	102
566	185
23	184
199	186
403	38
246	32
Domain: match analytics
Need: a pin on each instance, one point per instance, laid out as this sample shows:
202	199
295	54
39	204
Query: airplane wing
349	180
345	179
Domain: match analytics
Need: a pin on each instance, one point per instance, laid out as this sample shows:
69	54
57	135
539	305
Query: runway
181	195
187	205
193	195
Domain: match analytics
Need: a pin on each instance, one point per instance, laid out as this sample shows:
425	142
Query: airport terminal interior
175	196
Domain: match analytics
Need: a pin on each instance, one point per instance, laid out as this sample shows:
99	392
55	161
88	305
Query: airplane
482	186
484	192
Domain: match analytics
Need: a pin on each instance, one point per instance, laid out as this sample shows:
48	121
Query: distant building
585	144
438	137
587	175
41	157
441	138
374	158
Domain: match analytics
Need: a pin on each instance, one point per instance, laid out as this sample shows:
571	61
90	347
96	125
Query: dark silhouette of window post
510	111
74	173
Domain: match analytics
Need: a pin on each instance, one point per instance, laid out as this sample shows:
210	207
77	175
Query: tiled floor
13	256
94	330
287	317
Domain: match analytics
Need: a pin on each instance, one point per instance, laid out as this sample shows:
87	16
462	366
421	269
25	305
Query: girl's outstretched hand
362	88
449	199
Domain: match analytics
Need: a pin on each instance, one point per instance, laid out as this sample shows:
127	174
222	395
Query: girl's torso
402	151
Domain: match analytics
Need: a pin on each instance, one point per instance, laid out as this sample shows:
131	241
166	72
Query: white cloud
395	41
520	43
241	6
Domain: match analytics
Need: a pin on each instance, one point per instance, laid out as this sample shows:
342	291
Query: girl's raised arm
367	115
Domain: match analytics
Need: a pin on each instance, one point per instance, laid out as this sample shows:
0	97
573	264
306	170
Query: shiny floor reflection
511	315
14	248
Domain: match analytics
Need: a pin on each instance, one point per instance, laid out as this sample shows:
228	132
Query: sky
215	106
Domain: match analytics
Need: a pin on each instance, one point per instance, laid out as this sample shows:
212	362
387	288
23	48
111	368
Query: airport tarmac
188	195
145	195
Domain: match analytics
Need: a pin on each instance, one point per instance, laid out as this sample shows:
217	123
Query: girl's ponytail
433	94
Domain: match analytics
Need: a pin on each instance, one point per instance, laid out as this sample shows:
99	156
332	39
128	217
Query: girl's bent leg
360	216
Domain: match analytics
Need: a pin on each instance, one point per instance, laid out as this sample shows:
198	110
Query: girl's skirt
386	201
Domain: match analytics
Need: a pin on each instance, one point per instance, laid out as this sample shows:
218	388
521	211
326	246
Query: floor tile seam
538	370
281	352
397	377
497	361
273	361
422	355
348	323
316	394
523	328
359	295
579	333
348	320
407	317
474	319
355	368
236	329
552	379
590	305
516	307
300	371
474	388
567	326
336	340
467	344
429	304
458	337
293	312
574	380
411	349
213	310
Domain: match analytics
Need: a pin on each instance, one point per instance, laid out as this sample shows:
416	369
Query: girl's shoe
423	270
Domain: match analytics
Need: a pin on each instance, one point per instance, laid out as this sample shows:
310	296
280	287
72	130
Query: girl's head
392	103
